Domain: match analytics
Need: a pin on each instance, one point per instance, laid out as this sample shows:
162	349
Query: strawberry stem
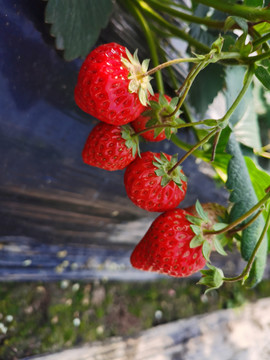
195	147
184	89
201	58
246	12
215	143
261	40
244	226
247	269
158	5
170	63
180	126
241	218
253	59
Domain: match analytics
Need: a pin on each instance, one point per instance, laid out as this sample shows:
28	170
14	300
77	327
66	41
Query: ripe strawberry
160	105
110	85
110	147
149	185
165	247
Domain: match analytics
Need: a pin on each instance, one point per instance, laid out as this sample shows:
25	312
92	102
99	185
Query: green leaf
163	158
258	266
154	105
151	122
213	278
162	100
243	197
168	133
157	131
196	229
206	250
160	172
76	24
219	248
246	49
218	44
242	194
165	181
174	102
212	79
263	75
219	226
244	120
229	22
194	220
132	142
262	28
240	42
196	241
260	181
241	22
202	214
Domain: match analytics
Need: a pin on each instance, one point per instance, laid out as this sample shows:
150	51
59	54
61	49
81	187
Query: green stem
247	12
180	6
175	85
187	85
170	63
185	146
184	16
257	36
247	80
247	269
172	28
261	40
180	126
245	225
240	219
253	59
160	32
215	58
195	147
215	143
150	40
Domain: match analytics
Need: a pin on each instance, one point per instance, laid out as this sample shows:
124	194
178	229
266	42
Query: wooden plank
232	334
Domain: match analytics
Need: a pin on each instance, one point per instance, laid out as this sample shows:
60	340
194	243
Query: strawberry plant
226	59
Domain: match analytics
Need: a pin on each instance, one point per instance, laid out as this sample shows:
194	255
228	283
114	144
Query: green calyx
163	169
213	278
159	116
139	81
131	142
208	242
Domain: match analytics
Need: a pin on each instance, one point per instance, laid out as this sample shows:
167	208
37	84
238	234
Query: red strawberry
149	185
165	247
160	105
110	85
110	147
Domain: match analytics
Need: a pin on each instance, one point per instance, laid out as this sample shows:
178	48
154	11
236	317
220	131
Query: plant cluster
113	86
